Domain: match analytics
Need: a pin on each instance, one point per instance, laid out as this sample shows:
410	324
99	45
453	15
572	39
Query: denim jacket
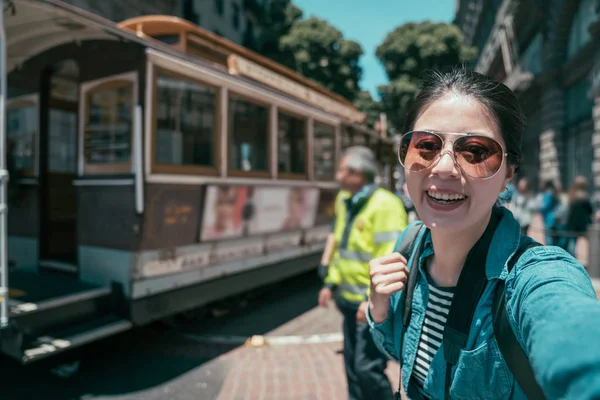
552	308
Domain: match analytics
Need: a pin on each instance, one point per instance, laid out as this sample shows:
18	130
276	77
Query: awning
34	26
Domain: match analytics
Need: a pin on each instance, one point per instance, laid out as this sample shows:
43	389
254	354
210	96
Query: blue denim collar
504	244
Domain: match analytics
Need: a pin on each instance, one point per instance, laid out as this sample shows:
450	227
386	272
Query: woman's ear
510	173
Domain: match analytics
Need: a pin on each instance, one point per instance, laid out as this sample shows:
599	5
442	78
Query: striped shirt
432	332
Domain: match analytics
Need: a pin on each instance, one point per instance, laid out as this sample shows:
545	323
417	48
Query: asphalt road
161	360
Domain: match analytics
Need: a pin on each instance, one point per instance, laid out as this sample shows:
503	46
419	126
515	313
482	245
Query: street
182	359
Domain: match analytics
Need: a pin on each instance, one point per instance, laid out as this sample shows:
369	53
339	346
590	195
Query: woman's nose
446	165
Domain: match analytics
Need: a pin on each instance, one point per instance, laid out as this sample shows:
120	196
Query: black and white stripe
432	332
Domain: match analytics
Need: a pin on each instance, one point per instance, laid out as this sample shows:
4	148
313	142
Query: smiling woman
459	151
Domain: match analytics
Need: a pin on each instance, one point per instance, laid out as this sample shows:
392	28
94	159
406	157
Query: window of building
578	155
530	164
579	34
219	6
249	39
21	132
108	127
189	12
291	144
186	114
235	17
248	135
532	56
324	151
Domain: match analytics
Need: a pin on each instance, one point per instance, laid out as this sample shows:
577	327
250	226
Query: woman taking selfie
484	313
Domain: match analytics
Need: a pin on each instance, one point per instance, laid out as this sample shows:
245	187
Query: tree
321	53
279	16
364	102
411	50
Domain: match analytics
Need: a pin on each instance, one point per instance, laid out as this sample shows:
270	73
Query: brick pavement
293	371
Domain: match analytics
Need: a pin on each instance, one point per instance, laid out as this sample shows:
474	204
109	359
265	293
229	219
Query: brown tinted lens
478	156
418	150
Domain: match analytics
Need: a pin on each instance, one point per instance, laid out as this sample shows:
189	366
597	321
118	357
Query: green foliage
321	53
312	47
411	50
364	102
280	15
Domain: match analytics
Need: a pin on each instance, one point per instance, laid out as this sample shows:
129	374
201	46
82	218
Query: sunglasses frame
503	154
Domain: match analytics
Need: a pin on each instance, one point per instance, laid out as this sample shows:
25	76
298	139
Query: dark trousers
365	365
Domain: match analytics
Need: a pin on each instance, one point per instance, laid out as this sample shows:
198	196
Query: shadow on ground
157	361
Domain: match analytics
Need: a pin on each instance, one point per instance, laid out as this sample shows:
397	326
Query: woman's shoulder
547	255
540	265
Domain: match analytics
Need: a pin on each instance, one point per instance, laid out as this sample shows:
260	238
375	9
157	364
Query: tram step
53	343
59	312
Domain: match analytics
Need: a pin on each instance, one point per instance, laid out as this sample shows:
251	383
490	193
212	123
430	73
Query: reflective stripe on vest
354	289
355	255
383	237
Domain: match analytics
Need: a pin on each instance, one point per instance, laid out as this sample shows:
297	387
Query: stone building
548	52
237	20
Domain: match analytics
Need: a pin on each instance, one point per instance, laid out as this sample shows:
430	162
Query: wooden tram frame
135	263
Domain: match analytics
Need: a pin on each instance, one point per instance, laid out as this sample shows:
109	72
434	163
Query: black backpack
459	319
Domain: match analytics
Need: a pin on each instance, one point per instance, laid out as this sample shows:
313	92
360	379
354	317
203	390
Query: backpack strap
469	288
405	248
511	350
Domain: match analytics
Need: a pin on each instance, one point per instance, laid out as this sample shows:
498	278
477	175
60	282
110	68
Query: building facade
237	20
548	53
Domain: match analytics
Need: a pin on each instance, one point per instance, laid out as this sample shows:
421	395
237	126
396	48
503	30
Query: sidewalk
285	369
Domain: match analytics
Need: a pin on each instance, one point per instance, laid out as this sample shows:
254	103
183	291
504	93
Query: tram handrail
3	178
138	160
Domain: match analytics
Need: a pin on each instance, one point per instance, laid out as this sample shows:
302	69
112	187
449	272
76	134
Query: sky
368	22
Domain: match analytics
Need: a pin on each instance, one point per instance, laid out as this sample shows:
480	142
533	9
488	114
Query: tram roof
34	26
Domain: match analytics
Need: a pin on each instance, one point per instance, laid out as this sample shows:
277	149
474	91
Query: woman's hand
388	275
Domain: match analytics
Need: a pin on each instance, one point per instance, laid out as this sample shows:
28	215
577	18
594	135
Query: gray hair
362	159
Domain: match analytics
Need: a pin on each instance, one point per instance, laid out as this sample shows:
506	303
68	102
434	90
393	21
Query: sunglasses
478	156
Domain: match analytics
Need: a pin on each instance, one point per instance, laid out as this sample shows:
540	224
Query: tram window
291	144
359	139
108	128
324	150
185	122
21	128
62	148
248	135
346	138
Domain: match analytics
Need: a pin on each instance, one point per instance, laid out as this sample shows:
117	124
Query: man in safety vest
368	221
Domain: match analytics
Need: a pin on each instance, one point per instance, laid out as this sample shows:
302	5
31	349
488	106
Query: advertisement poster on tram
240	211
326	207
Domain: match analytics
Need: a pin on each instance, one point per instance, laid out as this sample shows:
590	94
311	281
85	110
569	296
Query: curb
262	341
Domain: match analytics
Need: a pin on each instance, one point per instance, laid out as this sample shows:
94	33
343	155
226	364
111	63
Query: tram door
58	168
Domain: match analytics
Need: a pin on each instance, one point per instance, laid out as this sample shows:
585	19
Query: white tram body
155	168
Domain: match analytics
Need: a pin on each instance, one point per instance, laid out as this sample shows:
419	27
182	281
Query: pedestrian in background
368	222
579	214
548	209
407	202
523	205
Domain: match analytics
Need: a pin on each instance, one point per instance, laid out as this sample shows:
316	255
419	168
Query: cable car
154	168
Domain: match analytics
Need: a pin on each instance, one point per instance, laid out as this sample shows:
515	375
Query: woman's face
456	114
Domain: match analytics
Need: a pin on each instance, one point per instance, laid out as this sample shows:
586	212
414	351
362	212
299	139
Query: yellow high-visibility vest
372	233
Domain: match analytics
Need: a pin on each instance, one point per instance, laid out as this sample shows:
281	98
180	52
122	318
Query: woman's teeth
445	198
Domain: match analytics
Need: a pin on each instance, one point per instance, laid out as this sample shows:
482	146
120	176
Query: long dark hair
497	98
